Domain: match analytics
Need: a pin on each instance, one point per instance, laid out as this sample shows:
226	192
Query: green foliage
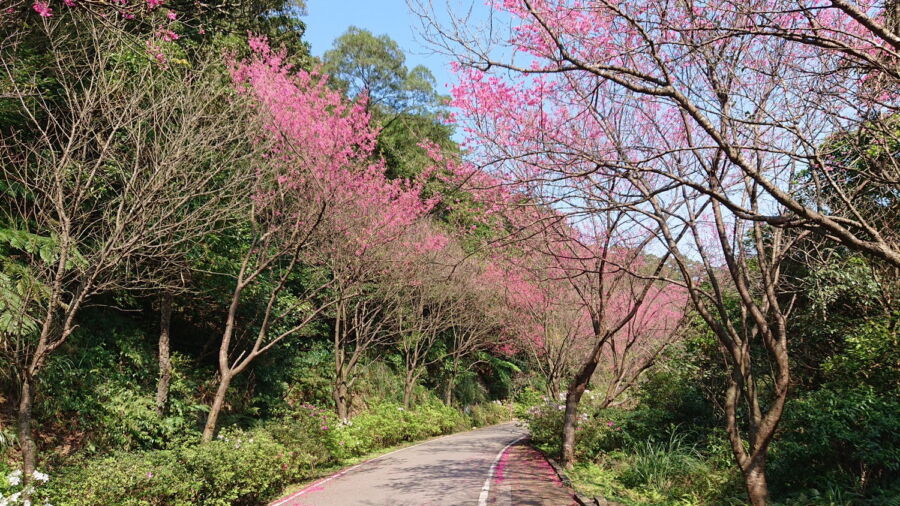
388	424
871	356
662	464
849	438
361	62
103	390
490	413
666	469
241	467
403	101
469	388
596	431
526	399
654	475
288	377
306	432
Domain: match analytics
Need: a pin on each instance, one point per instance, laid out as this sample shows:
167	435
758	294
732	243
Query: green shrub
387	424
545	424
848	438
490	413
595	431
102	391
662	464
527	399
306	432
603	431
240	467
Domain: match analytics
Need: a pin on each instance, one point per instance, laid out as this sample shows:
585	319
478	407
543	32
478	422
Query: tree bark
448	390
408	386
342	400
755	480
26	438
573	398
165	363
553	389
212	419
451	382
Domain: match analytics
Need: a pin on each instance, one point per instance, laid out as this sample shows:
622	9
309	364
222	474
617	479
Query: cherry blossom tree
319	188
573	236
428	297
360	251
326	203
477	324
632	315
726	123
542	317
764	84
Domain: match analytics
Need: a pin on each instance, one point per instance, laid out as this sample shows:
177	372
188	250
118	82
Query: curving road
455	469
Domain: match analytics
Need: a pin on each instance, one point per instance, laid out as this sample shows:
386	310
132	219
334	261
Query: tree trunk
448	390
451	382
342	400
757	487
165	363
212	419
408	386
341	392
26	438
553	390
573	397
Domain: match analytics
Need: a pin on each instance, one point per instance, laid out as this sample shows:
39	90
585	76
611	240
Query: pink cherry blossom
43	9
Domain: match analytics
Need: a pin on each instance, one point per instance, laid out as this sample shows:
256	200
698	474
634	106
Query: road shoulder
525	477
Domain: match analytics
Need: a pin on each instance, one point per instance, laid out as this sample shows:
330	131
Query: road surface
470	468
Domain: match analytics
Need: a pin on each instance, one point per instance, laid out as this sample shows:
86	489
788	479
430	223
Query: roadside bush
240	467
490	413
306	432
595	431
387	424
526	399
663	464
545	424
436	418
101	394
603	431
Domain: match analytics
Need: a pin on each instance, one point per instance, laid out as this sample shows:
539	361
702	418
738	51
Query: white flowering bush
13	491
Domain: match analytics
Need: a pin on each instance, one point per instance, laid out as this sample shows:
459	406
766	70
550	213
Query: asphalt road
445	471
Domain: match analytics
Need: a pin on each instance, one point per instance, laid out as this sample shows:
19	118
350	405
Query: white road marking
486	488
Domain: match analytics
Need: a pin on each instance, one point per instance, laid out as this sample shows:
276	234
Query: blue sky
328	19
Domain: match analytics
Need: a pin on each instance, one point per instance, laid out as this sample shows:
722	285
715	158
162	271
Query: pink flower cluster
323	151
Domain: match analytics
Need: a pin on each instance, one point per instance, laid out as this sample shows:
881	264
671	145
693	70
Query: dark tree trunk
165	363
451	382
